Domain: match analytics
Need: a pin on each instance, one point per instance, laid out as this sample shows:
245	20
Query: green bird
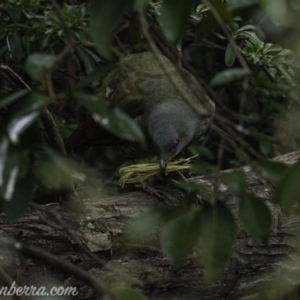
140	88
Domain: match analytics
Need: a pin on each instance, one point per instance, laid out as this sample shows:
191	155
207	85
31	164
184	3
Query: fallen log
92	242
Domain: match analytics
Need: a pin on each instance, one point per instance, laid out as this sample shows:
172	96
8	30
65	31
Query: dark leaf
286	75
38	64
96	76
113	120
13	97
22	195
247	28
180	235
229	75
285	52
256	216
105	15
125	293
275	60
251	36
190	186
9	168
25	114
229	55
15	45
126	127
277	10
15	13
55	171
144	225
138	3
222	11
89	64
265	147
270	169
241	4
207	24
217	237
236	181
287	191
272	48
173	16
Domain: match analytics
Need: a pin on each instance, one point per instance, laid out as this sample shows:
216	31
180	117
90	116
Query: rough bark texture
144	267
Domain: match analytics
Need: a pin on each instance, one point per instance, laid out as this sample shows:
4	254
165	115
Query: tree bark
100	230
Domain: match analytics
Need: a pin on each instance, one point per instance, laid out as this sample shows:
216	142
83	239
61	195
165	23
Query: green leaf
229	75
113	120
251	36
207	24
217	237
241	4
229	55
276	9
286	75
272	48
270	169
89	64
144	225
173	16
38	64
22	195
256	216
139	3
190	186
25	114
126	127
15	45
236	181
105	15
9	168
246	28
96	76
125	293
276	60
180	235
285	52
55	171
201	8
13	97
287	191
223	11
265	147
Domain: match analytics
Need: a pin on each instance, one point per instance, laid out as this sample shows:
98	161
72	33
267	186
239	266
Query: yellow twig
140	172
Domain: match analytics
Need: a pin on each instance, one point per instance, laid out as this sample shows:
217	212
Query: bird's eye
176	143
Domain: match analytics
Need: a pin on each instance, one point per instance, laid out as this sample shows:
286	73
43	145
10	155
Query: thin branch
207	102
4	67
53	260
228	35
6	279
59	57
63	22
52	131
76	237
63	226
182	92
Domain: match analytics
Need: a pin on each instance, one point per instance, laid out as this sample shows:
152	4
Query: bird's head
168	143
170	130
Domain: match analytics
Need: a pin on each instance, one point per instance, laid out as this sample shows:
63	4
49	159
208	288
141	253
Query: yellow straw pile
140	172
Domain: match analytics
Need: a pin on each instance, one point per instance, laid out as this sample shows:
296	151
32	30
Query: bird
139	87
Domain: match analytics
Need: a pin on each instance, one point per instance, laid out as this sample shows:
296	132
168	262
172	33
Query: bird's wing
119	89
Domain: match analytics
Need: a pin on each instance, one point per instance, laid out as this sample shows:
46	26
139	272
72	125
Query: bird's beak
163	165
